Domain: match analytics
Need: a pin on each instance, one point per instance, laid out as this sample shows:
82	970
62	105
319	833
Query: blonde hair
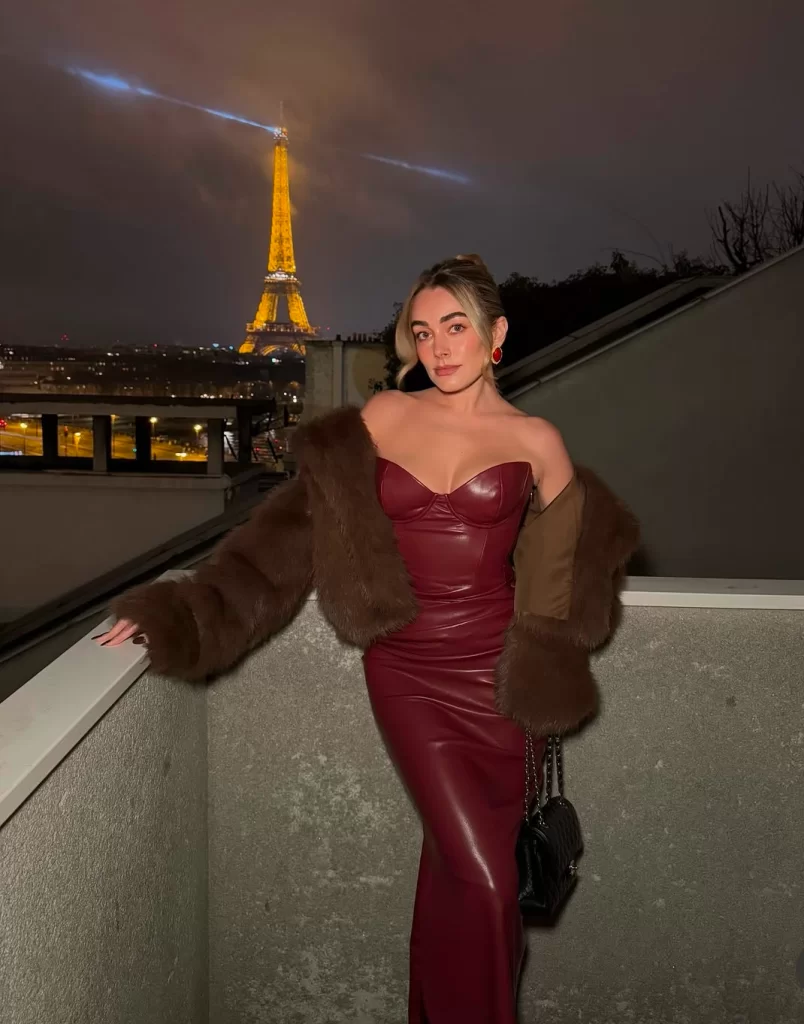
468	280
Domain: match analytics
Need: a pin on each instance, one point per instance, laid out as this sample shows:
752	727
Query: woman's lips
445	371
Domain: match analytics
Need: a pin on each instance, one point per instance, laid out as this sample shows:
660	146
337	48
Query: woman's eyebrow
442	320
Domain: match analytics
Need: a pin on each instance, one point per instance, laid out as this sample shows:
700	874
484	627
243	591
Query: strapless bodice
456	544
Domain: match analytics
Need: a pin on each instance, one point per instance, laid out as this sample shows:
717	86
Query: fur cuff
250	588
167	623
542	682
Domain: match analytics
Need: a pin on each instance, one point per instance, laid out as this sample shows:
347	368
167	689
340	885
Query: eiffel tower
265	333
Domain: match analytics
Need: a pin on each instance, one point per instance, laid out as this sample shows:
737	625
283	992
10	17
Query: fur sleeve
253	584
544	680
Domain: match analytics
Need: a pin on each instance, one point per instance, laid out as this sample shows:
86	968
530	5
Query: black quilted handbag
549	841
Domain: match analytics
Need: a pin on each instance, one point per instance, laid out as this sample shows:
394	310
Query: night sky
582	125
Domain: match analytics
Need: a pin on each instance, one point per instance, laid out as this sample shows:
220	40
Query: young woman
451	537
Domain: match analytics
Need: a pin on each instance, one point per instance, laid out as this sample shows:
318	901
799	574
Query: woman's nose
440	346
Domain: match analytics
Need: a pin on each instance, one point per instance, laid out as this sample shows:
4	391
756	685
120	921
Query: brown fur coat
326	529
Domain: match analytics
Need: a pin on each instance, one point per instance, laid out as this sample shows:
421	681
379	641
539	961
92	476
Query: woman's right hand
121	631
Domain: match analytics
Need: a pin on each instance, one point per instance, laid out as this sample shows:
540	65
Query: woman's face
449	348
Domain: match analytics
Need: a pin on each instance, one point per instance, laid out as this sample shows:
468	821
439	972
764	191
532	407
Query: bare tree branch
759	224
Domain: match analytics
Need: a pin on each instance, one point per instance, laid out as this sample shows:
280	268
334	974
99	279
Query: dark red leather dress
431	690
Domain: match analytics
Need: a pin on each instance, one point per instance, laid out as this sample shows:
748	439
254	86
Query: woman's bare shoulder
536	433
384	410
384	403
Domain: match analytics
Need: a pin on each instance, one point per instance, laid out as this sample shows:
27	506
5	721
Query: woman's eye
458	327
421	336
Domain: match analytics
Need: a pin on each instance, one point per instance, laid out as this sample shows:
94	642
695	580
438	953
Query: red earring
496	355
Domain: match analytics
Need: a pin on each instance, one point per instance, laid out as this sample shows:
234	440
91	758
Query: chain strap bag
549	841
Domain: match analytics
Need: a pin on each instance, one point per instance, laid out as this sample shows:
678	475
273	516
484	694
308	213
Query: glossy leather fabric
431	690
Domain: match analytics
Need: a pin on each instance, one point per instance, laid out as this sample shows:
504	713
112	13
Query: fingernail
139	639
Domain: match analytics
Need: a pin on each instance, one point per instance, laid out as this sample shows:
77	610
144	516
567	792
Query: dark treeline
541	312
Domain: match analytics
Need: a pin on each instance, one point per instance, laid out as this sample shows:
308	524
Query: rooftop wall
62	530
696	421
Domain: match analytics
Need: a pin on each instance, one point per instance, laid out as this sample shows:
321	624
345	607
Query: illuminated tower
265	333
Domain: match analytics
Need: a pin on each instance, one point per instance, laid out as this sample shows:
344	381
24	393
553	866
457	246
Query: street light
76	438
24	429
153	421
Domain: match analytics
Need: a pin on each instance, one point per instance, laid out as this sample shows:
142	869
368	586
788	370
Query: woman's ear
499	330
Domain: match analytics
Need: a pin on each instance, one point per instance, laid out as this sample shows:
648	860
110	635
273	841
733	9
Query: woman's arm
552	465
251	587
569	558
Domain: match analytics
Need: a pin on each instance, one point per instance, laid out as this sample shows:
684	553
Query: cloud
577	122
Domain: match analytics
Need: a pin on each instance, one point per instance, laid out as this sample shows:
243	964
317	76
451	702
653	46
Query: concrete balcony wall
688	786
245	852
313	846
103	913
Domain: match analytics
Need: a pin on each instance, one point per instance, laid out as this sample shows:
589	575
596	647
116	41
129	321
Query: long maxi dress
431	689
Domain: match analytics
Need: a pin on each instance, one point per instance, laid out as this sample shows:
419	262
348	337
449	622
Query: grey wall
688	786
698	423
313	848
103	913
64	529
339	373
